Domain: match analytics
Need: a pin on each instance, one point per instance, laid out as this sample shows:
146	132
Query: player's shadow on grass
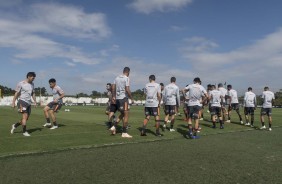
237	123
34	130
61	125
148	131
207	125
182	131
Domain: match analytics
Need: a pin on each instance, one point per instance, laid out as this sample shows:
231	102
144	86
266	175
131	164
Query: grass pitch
82	151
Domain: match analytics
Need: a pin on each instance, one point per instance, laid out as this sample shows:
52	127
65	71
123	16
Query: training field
81	150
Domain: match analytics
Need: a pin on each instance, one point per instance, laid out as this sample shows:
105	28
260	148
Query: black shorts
215	111
169	110
54	106
113	108
234	106
122	104
266	111
249	110
194	111
24	107
151	111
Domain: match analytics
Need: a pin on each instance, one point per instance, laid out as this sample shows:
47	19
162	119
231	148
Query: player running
53	107
234	103
24	91
216	99
250	103
171	99
121	93
152	91
268	100
196	94
223	92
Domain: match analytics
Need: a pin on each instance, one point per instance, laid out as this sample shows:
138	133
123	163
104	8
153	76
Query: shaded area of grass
241	157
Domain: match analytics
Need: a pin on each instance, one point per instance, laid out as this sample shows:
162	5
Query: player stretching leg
55	105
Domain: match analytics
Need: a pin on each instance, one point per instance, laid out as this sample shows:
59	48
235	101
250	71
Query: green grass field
82	151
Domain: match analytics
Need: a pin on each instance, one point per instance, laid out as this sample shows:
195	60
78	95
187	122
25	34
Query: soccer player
121	93
215	99
162	94
53	107
234	103
152	91
108	112
223	92
250	103
171	99
185	106
24	91
268	100
197	96
109	94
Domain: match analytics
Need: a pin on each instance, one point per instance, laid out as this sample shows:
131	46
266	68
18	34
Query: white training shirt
152	90
223	92
233	94
171	94
215	98
57	92
25	90
250	99
121	82
267	96
196	92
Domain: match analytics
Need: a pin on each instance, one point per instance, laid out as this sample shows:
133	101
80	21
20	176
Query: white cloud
30	32
139	74
149	6
257	64
177	28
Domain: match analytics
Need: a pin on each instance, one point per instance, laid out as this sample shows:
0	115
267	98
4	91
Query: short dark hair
172	79
266	88
30	74
250	88
197	80
52	80
162	84
229	86
220	85
126	70
109	84
152	77
213	86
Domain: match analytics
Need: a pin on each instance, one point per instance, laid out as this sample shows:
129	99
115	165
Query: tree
278	98
81	95
138	94
95	94
7	91
41	91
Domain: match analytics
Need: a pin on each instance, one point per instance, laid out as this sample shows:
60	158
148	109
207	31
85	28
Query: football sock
221	123
269	125
17	124
24	128
55	123
262	123
48	120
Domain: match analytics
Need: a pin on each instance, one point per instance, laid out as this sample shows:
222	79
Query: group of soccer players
219	100
24	93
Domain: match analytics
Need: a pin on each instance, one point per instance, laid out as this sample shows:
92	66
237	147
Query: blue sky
85	44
